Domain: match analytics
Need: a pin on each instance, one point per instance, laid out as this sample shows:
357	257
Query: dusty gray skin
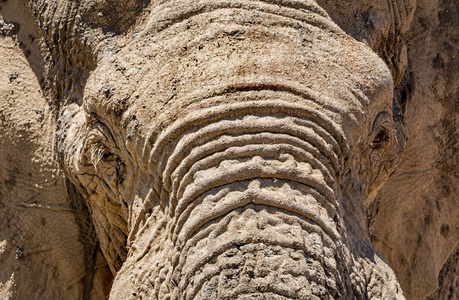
229	148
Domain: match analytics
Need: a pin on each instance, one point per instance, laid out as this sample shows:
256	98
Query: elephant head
229	148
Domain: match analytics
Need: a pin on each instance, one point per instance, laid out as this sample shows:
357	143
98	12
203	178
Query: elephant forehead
162	75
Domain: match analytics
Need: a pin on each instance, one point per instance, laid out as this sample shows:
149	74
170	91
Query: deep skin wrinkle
224	76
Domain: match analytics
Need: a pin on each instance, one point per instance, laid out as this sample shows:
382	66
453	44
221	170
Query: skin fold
228	149
230	125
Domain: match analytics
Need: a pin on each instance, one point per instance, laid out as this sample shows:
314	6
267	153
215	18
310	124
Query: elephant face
227	148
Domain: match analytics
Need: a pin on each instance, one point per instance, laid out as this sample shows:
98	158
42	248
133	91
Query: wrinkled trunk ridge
249	192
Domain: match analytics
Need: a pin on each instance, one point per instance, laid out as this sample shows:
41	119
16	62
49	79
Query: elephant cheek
251	209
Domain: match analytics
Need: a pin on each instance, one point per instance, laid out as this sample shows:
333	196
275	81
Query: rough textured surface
420	202
48	248
228	149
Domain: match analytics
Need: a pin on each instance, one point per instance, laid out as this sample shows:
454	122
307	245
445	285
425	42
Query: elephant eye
381	131
99	145
379	139
99	152
96	155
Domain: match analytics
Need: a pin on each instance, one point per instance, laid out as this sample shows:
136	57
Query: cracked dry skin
243	130
221	149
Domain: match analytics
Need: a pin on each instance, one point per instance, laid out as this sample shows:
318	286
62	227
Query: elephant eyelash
97	154
97	139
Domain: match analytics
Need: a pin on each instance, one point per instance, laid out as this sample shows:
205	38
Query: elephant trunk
250	195
241	196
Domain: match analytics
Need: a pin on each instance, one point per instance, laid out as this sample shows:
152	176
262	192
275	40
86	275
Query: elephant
223	149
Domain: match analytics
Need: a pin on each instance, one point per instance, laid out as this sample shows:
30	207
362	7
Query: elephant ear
416	228
48	249
413	221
